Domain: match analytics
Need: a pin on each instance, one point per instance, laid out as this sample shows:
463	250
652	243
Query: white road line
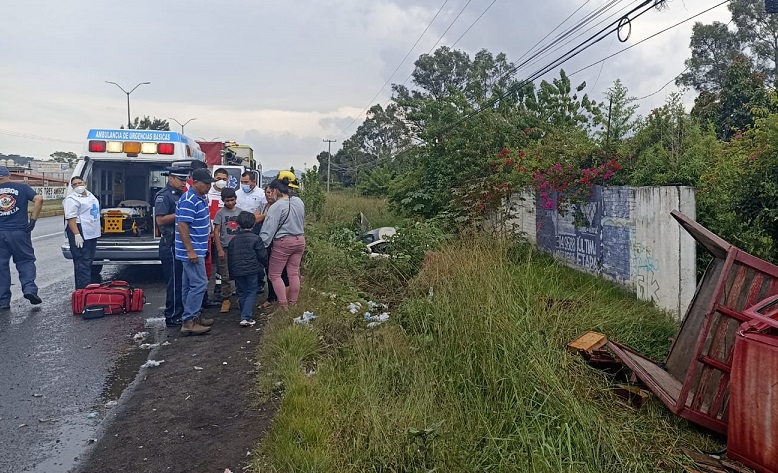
46	236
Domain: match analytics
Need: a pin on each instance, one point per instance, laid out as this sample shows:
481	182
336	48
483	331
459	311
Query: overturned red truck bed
695	383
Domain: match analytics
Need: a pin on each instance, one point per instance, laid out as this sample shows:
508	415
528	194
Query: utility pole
608	131
329	158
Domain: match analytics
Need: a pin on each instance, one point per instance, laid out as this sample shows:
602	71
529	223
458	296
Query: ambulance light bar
131	147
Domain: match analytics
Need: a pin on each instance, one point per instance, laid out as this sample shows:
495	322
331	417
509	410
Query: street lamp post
182	125
129	123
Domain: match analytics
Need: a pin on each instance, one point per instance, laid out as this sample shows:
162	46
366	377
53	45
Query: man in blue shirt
15	239
193	226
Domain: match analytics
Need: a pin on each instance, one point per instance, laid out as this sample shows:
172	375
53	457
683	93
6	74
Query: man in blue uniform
15	239
165	215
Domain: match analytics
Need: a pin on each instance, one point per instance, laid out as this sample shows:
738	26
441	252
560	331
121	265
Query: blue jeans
173	271
82	258
16	244
193	286
247	294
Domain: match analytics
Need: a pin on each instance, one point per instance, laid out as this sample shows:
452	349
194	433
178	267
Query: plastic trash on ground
354	307
376	320
305	318
140	336
152	363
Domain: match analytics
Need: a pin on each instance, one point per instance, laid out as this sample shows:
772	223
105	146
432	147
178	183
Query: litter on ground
305	318
152	363
148	346
354	307
140	336
376	320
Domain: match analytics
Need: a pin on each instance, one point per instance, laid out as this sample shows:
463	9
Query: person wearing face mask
250	197
82	214
221	178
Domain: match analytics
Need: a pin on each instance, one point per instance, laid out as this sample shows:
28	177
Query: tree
618	119
68	157
713	47
147	123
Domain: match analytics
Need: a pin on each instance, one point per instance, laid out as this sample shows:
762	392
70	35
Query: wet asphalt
59	374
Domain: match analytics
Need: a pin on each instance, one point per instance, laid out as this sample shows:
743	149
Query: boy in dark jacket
246	259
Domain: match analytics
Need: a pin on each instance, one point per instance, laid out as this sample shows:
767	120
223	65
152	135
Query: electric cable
29	136
395	70
472	24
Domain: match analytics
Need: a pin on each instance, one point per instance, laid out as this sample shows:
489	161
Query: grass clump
470	373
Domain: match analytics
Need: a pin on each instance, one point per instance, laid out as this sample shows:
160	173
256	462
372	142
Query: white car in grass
377	240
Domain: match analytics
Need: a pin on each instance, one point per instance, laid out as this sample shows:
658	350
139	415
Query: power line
395	70
663	87
29	136
449	26
473	24
652	36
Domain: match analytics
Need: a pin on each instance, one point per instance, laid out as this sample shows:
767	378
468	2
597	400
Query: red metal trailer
695	383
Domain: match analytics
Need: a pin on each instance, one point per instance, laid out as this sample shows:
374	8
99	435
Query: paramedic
15	239
82	214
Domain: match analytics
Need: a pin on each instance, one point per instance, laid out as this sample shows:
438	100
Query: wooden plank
635	396
588	342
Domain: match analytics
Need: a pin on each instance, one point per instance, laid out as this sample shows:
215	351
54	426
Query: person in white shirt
250	197
82	213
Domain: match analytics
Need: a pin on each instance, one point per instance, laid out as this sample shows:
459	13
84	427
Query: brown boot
225	306
191	327
203	321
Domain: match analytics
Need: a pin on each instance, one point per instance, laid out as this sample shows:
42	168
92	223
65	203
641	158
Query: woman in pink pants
283	228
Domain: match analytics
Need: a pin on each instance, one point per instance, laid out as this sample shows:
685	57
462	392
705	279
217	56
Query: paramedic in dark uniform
15	239
165	216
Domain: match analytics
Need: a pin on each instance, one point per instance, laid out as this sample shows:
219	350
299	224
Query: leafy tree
669	147
312	193
68	157
555	105
713	47
147	123
618	119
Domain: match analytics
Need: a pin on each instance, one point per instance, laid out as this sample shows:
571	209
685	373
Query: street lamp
129	124
182	126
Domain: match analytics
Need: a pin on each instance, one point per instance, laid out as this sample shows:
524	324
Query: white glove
79	240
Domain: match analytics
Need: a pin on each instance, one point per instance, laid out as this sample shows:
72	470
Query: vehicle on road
124	169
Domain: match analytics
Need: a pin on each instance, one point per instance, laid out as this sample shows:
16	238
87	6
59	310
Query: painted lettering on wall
646	267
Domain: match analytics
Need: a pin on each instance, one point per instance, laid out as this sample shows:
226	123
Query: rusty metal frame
700	393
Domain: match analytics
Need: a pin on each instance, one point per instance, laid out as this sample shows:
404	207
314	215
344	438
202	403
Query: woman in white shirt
82	213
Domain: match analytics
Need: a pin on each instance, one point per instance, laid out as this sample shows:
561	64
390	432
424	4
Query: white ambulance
124	170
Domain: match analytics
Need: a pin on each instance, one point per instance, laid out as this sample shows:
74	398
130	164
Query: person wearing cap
193	227
165	202
15	239
82	228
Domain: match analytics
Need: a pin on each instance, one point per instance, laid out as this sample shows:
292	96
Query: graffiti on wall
646	267
580	245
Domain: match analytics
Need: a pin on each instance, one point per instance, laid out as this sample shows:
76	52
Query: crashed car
377	240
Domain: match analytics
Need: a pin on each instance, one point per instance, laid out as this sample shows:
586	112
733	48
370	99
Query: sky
281	76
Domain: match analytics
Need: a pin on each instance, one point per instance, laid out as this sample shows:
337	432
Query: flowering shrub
563	186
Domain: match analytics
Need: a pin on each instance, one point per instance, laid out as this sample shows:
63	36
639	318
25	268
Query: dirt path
180	418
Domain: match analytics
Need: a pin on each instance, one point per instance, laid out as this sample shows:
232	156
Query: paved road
58	371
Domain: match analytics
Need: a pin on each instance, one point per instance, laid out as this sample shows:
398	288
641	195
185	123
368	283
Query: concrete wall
628	236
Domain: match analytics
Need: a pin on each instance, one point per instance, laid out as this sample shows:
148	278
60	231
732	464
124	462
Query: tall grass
470	374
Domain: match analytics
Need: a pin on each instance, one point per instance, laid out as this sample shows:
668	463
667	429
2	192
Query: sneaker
209	304
191	327
225	306
33	298
174	322
247	323
203	321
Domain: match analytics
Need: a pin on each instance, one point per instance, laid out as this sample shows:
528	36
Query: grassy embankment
474	378
52	207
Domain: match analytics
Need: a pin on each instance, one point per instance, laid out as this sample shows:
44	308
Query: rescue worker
165	202
82	217
15	239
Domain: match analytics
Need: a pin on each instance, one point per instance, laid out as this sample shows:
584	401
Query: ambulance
124	169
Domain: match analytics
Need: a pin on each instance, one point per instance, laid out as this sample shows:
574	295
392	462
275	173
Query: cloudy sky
280	75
